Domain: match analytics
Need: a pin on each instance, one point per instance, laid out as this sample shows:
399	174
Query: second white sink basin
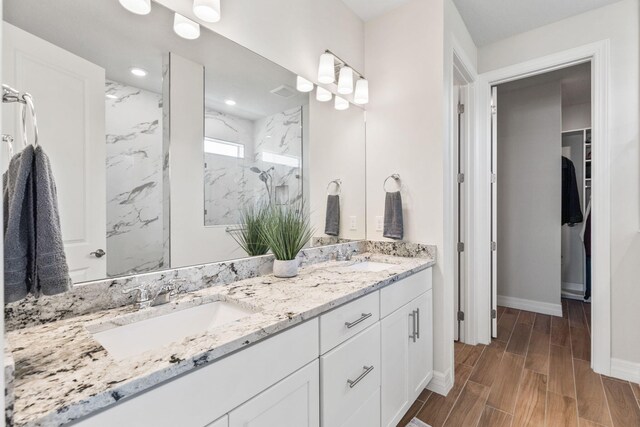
124	341
368	266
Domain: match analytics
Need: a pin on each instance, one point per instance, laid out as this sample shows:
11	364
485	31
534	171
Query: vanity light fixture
207	10
139	7
230	102
345	80
185	27
303	85
138	72
326	69
341	103
361	96
323	95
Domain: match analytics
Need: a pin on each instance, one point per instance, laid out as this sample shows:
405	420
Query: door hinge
494	178
494	246
460	108
494	110
460	246
460	178
494	314
461	316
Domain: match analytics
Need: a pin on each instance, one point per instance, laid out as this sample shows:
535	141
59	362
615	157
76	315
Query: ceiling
103	32
491	20
575	82
369	9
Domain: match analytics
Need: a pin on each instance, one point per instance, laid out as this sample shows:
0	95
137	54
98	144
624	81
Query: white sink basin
138	336
368	266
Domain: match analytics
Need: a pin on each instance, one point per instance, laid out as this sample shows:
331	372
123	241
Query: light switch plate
379	223
352	223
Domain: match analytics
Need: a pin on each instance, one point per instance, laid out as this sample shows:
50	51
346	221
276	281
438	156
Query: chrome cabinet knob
98	253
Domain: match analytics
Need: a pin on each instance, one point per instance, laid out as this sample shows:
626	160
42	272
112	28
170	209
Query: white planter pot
285	268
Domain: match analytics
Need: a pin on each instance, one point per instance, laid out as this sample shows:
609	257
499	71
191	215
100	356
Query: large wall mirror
158	144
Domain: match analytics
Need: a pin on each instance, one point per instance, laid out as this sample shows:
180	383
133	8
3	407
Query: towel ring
395	177
32	109
338	184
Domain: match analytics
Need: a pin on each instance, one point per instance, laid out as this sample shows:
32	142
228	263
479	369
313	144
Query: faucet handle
143	293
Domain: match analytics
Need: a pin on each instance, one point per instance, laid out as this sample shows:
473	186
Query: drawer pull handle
364	317
418	323
413	325
353	383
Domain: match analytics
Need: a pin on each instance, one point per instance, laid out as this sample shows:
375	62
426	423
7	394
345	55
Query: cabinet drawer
344	322
400	293
349	375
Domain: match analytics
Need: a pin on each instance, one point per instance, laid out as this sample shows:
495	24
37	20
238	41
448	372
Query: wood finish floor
536	373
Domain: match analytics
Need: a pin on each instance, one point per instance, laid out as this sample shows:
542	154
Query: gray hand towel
19	245
393	222
52	272
332	220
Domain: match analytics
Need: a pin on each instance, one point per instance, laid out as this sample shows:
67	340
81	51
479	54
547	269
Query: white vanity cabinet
407	345
359	365
293	402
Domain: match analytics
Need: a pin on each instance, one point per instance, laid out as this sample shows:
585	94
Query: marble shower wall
135	224
230	184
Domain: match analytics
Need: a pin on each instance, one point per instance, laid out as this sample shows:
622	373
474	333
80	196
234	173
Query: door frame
598	54
464	68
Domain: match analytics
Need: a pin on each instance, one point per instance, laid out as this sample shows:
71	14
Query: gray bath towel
332	220
19	245
393	222
52	272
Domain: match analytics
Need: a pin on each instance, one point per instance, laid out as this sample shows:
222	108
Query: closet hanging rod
10	94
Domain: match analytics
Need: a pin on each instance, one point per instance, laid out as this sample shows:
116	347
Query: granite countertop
62	373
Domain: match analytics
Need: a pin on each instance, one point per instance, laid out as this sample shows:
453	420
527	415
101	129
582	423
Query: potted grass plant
287	230
250	236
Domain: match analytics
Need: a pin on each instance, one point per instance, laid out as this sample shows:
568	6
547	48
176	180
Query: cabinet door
421	351
395	331
293	402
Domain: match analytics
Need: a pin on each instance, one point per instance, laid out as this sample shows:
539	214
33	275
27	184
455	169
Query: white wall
577	116
619	24
529	150
336	151
290	33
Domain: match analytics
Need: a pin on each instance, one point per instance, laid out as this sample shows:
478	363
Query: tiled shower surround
135	226
230	184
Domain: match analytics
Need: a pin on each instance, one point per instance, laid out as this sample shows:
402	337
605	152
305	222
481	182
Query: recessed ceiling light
138	72
111	96
207	10
230	102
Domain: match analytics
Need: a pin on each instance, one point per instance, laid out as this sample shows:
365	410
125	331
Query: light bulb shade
345	81
362	92
139	7
185	27
341	103
326	70
207	10
323	95
303	85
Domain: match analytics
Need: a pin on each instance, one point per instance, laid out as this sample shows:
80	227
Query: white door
395	341
421	350
293	402
494	212
69	97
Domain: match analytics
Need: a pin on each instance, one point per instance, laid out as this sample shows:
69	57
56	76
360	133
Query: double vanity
345	343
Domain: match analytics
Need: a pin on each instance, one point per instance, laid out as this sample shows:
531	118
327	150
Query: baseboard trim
441	383
573	287
530	305
625	370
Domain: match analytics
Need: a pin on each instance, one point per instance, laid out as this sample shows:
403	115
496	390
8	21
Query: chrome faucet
345	255
145	297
